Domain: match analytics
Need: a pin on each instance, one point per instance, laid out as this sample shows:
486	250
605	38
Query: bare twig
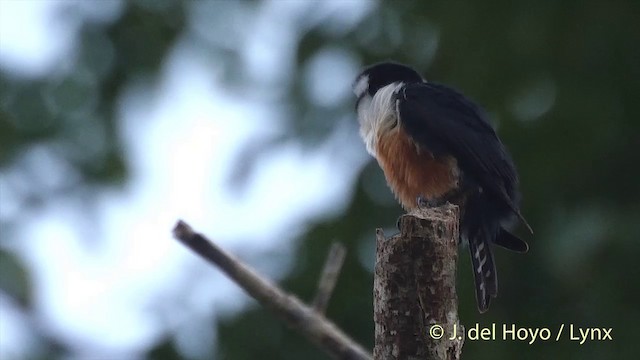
415	301
329	277
289	308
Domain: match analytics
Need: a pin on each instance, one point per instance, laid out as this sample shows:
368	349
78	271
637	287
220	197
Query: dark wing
445	122
511	242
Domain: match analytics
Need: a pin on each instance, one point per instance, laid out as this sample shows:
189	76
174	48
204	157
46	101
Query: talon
430	203
422	202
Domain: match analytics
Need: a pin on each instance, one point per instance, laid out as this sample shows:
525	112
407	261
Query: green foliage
559	78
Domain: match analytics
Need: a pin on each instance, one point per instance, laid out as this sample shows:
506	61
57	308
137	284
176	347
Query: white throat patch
377	115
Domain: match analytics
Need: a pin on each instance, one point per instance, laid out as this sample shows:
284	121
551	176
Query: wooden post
415	300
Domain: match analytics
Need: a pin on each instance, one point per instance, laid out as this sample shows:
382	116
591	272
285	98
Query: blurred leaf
14	279
164	351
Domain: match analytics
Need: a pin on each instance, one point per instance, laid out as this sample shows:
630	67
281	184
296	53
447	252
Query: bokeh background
119	117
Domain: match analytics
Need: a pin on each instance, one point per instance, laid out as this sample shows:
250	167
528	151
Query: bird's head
377	76
376	88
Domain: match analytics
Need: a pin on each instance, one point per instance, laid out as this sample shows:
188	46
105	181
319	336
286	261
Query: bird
434	146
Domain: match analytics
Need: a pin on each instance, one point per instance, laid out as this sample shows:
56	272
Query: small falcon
436	146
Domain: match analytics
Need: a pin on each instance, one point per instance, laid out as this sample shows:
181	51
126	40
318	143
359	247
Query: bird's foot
423	202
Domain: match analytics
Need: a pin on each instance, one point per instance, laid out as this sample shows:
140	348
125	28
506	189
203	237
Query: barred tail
484	270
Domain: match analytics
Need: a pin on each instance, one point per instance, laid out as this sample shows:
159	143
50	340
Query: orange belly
413	172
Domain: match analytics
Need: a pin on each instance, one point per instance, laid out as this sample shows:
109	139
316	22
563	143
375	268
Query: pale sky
181	140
